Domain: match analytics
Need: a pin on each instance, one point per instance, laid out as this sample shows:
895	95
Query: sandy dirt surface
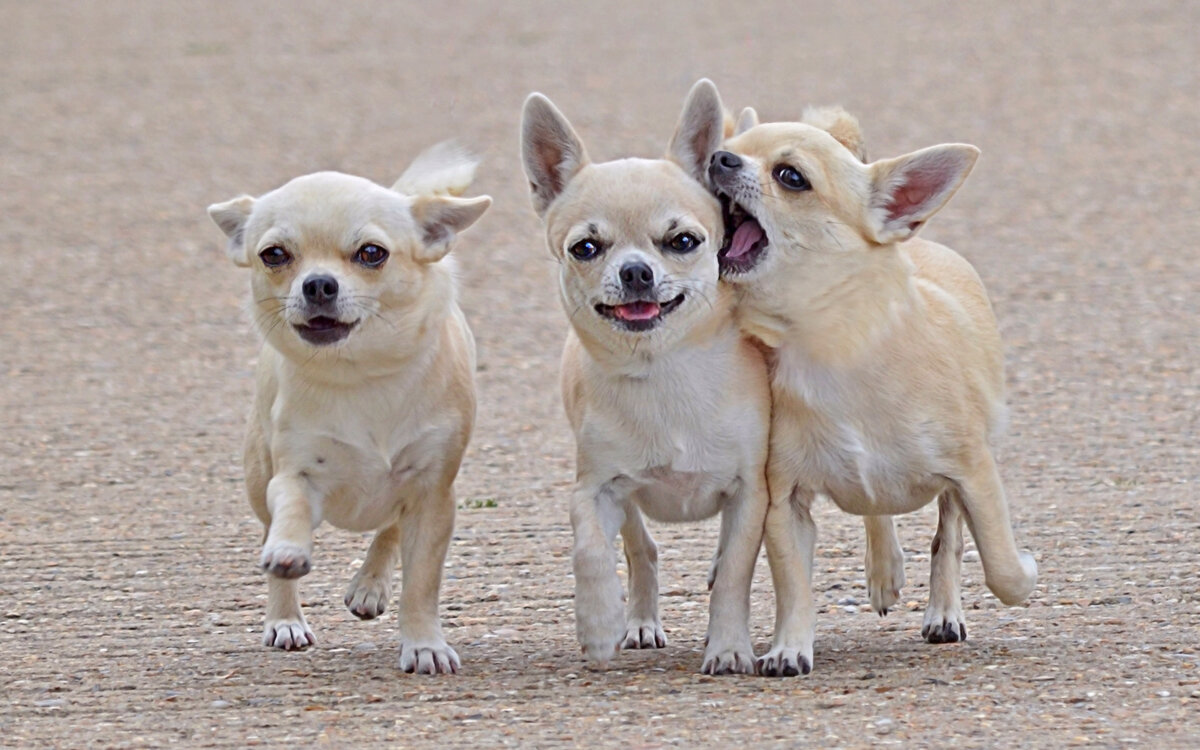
130	603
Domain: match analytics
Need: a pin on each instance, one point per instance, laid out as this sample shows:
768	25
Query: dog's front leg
729	650
643	629
944	621
287	555
426	525
371	587
596	514
884	563
791	537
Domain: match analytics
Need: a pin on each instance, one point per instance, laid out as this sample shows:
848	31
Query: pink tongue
637	311
744	237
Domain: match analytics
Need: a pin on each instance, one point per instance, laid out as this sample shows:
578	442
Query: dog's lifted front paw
646	633
428	657
738	659
783	661
289	635
368	596
285	560
599	653
943	626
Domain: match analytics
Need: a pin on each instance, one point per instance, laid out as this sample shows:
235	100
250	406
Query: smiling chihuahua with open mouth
365	392
669	404
887	369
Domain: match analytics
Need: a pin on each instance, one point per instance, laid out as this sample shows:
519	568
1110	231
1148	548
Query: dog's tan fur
671	422
368	431
887	373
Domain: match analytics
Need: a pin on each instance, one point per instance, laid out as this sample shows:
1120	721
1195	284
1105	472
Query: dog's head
636	239
340	263
796	193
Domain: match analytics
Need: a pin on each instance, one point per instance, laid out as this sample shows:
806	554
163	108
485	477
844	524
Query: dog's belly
665	494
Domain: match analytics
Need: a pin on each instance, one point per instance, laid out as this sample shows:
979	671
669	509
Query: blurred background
129	602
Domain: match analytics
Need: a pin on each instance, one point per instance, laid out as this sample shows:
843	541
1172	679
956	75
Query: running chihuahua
887	370
669	404
365	397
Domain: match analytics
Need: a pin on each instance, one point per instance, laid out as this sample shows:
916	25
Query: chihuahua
669	403
365	394
886	365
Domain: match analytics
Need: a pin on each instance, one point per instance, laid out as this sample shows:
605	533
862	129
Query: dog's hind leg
643	629
884	563
944	621
285	627
371	588
1011	574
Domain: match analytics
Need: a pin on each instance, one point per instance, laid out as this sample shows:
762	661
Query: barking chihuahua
365	393
669	404
887	372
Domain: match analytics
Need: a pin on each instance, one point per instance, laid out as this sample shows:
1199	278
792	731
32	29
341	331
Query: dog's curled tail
446	168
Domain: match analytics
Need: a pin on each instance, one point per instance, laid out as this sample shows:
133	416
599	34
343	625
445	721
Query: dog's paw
428	657
885	579
284	560
944	625
368	596
643	634
289	635
599	653
736	659
783	661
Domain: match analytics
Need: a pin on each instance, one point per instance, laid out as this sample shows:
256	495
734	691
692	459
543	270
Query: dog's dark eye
790	178
585	249
371	256
684	242
275	257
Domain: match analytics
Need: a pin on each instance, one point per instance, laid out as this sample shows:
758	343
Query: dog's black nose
637	277
319	290
723	162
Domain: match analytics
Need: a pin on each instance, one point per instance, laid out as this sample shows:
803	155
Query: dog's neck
838	315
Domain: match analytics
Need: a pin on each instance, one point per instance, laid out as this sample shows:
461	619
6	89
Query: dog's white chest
840	444
361	461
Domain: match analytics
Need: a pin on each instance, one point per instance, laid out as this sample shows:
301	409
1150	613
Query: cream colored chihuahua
669	404
365	393
887	370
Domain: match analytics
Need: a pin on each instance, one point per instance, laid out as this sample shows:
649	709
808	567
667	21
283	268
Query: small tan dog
669	404
887	371
365	389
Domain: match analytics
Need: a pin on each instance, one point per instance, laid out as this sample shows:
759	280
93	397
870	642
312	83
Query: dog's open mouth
641	315
745	241
323	330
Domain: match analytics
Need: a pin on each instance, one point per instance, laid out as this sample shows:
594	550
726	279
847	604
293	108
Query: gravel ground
130	605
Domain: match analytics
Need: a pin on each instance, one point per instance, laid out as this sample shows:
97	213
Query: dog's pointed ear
440	218
231	217
550	151
746	120
839	123
700	130
909	189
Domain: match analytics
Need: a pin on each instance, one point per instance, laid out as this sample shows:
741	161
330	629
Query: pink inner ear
919	186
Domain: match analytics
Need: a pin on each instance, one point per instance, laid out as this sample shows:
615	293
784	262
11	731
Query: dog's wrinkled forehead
328	209
632	199
772	143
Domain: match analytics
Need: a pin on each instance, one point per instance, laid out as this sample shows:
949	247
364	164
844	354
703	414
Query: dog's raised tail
446	168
